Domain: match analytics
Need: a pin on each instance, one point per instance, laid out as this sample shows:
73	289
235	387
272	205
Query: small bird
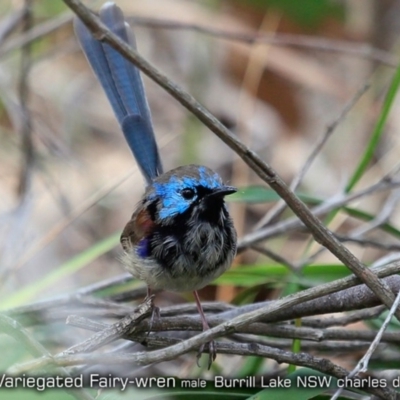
180	236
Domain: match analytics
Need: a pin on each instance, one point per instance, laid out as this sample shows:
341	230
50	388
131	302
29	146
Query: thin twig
37	32
382	217
369	243
343	320
13	329
362	365
10	22
23	94
355	49
61	225
116	331
280	206
331	204
349	299
273	256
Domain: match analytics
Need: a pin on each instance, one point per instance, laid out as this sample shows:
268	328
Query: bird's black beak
222	191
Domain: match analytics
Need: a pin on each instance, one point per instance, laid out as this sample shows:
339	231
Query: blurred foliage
310	275
33	394
49	8
307	13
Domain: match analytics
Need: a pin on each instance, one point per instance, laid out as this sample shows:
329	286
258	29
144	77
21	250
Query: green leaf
308	13
359	214
249	275
263	194
253	194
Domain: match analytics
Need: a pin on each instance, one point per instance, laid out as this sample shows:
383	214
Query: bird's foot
212	353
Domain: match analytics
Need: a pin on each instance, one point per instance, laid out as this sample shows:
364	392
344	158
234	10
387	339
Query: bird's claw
212	353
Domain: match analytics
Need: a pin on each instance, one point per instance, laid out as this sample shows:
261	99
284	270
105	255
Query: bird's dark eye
188	194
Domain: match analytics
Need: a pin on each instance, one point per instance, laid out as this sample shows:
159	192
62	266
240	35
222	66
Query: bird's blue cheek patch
171	200
173	205
143	248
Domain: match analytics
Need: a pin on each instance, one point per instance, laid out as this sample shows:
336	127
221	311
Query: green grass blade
76	263
377	132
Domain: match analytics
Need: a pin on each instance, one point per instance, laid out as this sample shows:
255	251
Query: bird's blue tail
124	88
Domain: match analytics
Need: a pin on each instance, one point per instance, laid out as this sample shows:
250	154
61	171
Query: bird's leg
211	345
155	312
